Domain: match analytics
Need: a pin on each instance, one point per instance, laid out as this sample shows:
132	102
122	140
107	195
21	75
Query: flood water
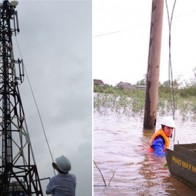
120	152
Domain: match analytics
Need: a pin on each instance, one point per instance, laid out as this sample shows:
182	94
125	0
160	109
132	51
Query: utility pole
18	171
152	80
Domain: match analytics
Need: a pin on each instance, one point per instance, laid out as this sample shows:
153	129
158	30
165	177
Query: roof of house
98	82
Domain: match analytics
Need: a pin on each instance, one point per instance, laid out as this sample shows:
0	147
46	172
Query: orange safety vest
160	132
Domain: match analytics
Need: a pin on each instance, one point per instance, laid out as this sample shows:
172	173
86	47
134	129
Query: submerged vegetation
132	101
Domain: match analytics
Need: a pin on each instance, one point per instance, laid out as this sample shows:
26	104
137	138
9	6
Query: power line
128	29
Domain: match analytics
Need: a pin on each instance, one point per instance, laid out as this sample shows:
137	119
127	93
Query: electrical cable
38	111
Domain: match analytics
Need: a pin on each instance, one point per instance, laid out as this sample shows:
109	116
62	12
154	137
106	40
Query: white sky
55	40
121	31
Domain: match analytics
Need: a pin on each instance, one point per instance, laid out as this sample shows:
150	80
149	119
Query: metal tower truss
18	171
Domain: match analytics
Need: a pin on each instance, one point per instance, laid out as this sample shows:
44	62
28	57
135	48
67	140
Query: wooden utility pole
152	80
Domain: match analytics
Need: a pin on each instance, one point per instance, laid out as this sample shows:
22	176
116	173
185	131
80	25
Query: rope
170	72
41	121
39	114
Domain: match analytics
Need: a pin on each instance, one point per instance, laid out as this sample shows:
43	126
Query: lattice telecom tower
18	171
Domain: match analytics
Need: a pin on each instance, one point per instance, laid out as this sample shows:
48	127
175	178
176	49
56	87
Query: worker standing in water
161	138
64	183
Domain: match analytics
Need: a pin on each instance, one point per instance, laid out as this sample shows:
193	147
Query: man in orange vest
161	138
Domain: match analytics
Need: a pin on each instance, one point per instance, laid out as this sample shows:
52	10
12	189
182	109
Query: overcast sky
121	31
55	43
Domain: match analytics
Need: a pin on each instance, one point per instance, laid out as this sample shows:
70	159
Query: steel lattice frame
17	164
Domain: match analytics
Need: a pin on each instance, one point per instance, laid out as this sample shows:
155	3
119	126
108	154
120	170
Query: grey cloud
55	42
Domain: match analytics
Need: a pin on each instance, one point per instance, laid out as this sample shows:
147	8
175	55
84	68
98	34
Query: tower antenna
18	170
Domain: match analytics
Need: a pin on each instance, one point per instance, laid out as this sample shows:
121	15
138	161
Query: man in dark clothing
64	183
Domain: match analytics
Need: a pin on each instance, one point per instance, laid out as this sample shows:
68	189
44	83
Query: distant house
128	86
141	87
125	86
98	82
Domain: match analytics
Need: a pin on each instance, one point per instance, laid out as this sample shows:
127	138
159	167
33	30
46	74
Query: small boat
181	162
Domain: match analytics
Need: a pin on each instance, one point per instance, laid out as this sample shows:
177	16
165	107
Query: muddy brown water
120	152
